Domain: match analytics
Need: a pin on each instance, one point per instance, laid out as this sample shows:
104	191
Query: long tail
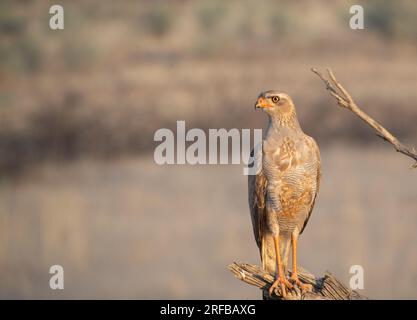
268	256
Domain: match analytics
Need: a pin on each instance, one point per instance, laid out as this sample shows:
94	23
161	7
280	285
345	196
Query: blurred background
79	107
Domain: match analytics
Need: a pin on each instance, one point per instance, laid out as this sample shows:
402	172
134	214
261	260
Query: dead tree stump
324	288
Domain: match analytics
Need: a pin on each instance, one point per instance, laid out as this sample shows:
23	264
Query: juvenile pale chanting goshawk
282	194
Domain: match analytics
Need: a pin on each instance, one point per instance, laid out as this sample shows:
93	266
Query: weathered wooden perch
325	288
344	99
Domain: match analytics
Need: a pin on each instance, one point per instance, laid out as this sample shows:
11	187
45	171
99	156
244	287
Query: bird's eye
275	99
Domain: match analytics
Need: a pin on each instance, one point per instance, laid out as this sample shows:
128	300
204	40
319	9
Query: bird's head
275	104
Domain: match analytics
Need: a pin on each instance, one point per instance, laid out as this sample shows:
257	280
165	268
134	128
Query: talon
304	287
283	284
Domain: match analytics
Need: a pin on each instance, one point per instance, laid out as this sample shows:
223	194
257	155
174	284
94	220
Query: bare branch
325	288
345	100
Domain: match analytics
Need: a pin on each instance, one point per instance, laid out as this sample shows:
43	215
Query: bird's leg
294	275
281	281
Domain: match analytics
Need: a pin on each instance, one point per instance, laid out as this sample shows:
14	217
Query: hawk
283	192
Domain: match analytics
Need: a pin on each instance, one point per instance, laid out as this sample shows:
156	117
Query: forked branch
345	100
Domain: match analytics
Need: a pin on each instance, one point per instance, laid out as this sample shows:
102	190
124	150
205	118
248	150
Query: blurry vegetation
210	14
279	22
77	53
18	50
392	19
22	55
10	24
123	69
158	20
119	72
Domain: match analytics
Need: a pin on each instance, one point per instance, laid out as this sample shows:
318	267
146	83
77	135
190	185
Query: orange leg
280	282
294	275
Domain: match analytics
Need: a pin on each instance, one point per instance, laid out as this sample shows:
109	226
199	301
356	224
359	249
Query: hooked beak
261	103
